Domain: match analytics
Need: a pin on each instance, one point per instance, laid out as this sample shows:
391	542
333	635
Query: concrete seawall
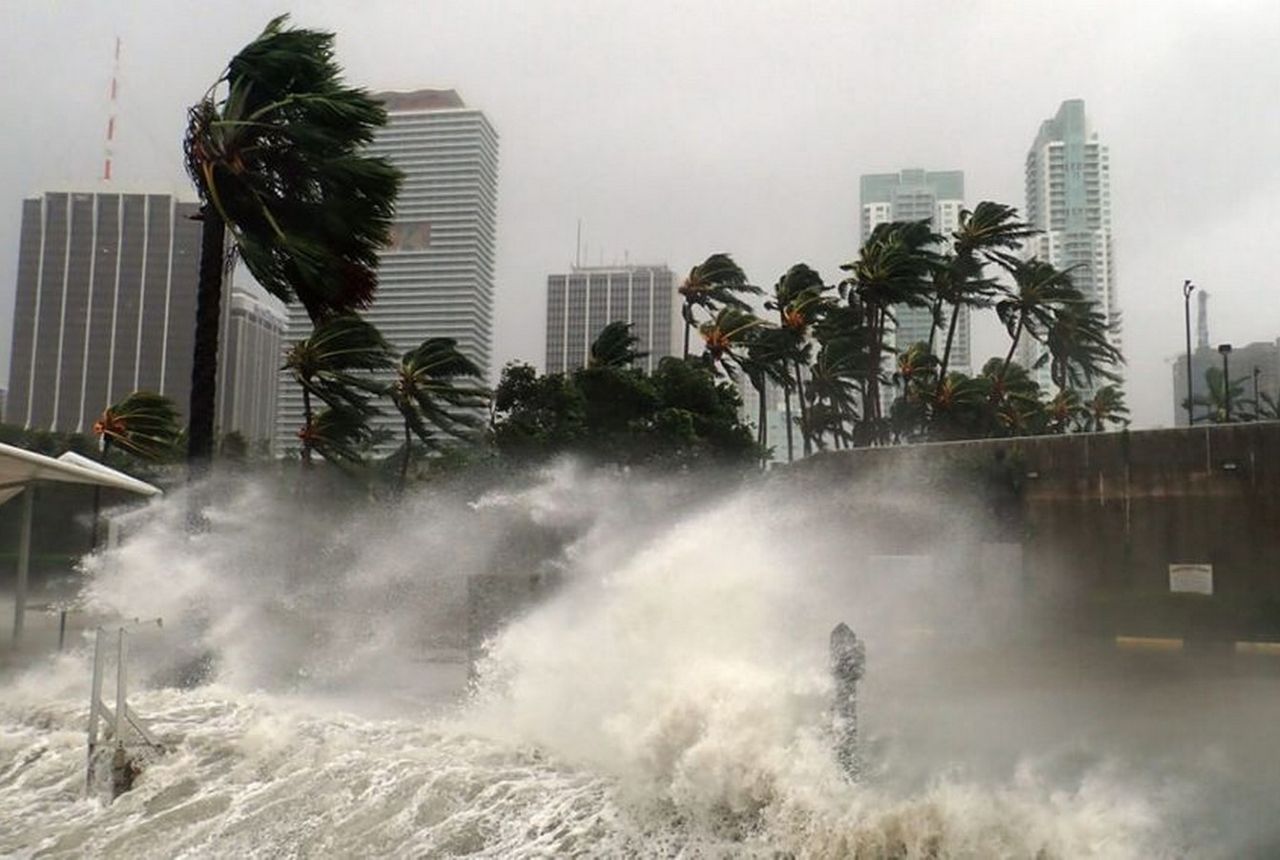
1098	519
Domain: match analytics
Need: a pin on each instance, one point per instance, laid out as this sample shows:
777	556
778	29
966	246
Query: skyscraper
917	195
105	305
1069	199
581	303
249	358
436	278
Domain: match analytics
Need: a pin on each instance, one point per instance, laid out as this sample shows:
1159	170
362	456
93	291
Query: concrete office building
250	353
1068	182
436	278
917	195
105	305
581	303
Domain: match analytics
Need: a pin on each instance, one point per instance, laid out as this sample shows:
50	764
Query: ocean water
670	699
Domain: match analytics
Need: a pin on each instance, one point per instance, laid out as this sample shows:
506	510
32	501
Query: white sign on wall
1191	578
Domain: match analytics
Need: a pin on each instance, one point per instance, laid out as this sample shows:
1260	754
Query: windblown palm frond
615	346
144	424
725	333
277	148
336	362
717	282
431	393
1107	406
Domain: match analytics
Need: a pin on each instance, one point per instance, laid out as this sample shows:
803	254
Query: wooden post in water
848	662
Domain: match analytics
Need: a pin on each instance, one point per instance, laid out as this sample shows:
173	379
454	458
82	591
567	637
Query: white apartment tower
1069	200
436	277
919	195
249	359
581	303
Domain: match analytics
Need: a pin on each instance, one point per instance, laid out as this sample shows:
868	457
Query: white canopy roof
19	467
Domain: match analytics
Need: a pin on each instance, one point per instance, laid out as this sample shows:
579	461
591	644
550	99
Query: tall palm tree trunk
204	366
933	323
1008	359
762	434
872	406
805	429
946	351
404	464
307	417
791	448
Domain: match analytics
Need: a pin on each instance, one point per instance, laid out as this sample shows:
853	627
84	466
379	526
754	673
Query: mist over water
669	698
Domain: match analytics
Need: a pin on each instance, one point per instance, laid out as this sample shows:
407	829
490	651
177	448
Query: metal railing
119	724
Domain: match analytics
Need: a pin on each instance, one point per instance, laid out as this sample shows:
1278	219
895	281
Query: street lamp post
1187	289
1225	349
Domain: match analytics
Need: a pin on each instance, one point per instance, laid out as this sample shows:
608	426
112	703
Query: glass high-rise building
581	303
436	277
105	305
1068	178
918	195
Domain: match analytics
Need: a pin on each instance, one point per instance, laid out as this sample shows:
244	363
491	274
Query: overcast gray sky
674	129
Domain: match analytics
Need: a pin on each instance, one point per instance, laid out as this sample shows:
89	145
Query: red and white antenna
111	117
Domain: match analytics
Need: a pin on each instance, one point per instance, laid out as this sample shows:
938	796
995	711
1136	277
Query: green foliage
680	414
1218	395
277	147
716	283
431	393
615	346
144	423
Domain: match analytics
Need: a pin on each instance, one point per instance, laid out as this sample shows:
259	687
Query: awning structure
21	469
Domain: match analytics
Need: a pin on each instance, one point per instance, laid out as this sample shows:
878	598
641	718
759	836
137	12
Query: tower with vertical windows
581	303
435	279
105	305
919	195
1068	180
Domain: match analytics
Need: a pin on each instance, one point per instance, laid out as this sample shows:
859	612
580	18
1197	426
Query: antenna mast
111	115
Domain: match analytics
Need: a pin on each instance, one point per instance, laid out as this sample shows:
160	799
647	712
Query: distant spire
111	116
1202	326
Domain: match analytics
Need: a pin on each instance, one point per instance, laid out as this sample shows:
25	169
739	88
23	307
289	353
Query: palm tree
615	346
335	365
717	282
914	373
765	363
339	433
798	299
1106	407
1078	349
833	384
276	151
724	334
1040	290
989	228
427	393
844	336
894	268
1064	411
145	424
1217	396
